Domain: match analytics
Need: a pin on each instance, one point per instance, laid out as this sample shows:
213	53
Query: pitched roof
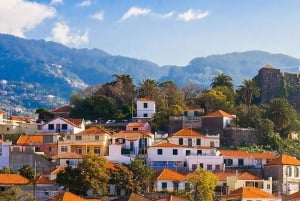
66	196
20	119
167	174
234	153
93	130
54	171
293	196
171	198
219	113
263	155
43	180
1	112
63	109
75	122
187	132
284	160
144	99
166	144
132	197
68	155
136	124
131	135
13	179
249	192
30	139
248	176
222	176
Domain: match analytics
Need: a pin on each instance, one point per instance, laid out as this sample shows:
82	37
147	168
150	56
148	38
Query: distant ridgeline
275	84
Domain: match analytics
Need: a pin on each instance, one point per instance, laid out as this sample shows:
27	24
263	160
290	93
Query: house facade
171	181
64	126
145	108
4	154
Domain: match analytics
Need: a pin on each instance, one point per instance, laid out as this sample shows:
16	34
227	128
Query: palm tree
222	80
148	88
248	90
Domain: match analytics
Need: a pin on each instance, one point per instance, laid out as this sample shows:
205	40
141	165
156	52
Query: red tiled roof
76	122
131	135
30	139
222	176
136	124
66	196
293	196
144	99
55	171
284	160
93	130
263	155
13	179
249	192
188	132
1	112
43	180
234	153
167	174
166	144
20	119
63	109
132	197
219	113
248	176
68	155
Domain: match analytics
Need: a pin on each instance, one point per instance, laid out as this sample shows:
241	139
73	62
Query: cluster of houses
241	175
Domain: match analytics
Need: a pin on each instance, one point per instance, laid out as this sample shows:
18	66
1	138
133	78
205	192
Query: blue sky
161	31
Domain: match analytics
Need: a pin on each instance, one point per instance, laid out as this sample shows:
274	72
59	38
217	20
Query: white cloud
61	33
168	15
85	3
19	16
193	15
134	12
98	16
56	2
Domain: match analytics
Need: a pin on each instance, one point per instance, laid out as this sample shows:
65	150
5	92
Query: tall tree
190	92
148	88
27	171
203	183
222	80
248	90
121	177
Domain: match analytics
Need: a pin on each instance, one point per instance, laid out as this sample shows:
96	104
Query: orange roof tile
222	176
263	155
132	197
166	144
144	99
234	153
187	132
167	174
219	113
131	135
63	109
20	119
284	160
68	155
248	176
249	192
55	171
66	196
43	180
30	139
76	122
1	112
136	124
193	107
293	196
93	130
13	179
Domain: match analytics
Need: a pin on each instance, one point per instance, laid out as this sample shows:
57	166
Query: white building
4	154
62	125
168	180
145	108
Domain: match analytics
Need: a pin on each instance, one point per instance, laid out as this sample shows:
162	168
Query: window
164	185
228	162
78	138
50	126
194	166
212	144
185	113
97	150
64	149
0	151
201	165
176	186
145	115
289	171
188	152
268	186
217	167
196	113
159	151
199	152
190	142
209	167
49	148
97	138
135	129
175	151
296	172
241	162
7	129
145	105
78	150
64	127
198	141
68	137
180	141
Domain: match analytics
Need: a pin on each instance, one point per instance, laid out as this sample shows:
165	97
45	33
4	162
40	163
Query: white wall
170	185
150	110
4	157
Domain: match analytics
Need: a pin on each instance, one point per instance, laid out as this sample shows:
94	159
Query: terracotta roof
222	176
284	160
136	124
144	99
249	192
63	109
20	119
55	171
167	174
93	130
187	132
66	196
131	135
171	198
68	155
166	144
76	122
219	113
193	107
234	153
13	179
263	155
293	196
132	197
248	176
43	180
30	139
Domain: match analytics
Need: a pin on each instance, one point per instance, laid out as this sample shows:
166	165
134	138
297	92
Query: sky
166	32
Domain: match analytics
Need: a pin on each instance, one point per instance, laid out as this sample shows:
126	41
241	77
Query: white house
145	108
4	154
169	180
138	126
62	125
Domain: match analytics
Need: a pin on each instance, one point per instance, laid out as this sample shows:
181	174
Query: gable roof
66	196
219	113
68	155
21	119
145	99
188	132
263	155
13	179
30	139
43	180
73	122
54	171
248	176
136	124
93	130
222	176
63	109
249	192
167	174
166	144
132	135
293	196
284	160
132	197
234	153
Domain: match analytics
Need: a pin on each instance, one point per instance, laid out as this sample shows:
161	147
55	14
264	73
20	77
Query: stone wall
233	136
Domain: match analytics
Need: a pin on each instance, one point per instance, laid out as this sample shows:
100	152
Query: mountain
38	73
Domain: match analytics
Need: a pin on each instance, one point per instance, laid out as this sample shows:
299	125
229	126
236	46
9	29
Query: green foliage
203	184
15	193
143	176
248	90
27	171
12	137
222	80
6	170
44	114
122	177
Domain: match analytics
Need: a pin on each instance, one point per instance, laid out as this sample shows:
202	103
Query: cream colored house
171	181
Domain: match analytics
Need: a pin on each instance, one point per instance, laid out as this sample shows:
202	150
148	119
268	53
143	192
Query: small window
64	149
97	150
145	115
190	142
199	152
50	126
97	138
145	105
78	138
241	162
198	142
201	165
217	167
194	167
212	144
78	150
209	167
185	113
64	127
159	151
7	129
49	148
188	152
164	185
175	151
68	137
0	151
180	141
296	172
